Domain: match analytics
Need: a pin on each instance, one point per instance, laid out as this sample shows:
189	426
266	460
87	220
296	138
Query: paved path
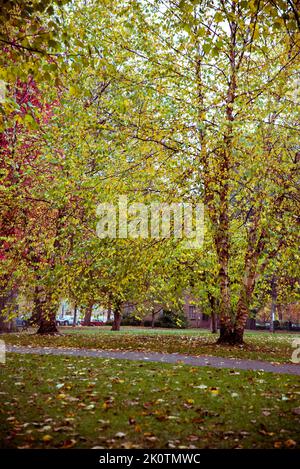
204	360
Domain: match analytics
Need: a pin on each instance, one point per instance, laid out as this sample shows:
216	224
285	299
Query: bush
131	321
148	323
276	324
169	319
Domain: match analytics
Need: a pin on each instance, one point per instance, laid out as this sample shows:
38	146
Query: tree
222	127
28	55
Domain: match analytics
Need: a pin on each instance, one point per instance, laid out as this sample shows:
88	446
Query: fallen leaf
68	444
120	435
290	443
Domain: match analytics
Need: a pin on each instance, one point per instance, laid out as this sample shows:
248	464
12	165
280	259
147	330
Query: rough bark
228	336
117	317
214	328
35	318
222	245
256	244
88	315
47	324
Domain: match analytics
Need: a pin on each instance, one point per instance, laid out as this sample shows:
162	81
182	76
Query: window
192	312
205	317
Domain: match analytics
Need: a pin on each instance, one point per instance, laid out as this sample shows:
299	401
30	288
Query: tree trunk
247	288
75	315
273	304
153	320
48	317
213	308
218	209
36	315
153	315
214	328
88	315
222	238
226	325
241	317
109	311
228	336
117	317
6	325
222	241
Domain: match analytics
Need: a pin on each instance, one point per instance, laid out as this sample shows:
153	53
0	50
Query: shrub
169	319
131	321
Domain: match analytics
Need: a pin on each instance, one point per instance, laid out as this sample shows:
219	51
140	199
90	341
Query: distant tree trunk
213	307
280	312
273	304
6	325
153	314
48	310
214	328
117	316
88	315
153	319
109	311
75	315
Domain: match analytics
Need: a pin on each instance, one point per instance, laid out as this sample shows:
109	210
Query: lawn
258	345
63	402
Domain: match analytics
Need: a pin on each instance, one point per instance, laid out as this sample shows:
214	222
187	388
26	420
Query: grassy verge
259	346
62	402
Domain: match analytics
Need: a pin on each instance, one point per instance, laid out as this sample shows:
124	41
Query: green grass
55	402
258	345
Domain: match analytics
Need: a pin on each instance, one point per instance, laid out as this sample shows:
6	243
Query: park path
204	360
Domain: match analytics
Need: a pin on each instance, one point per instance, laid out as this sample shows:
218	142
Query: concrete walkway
215	362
